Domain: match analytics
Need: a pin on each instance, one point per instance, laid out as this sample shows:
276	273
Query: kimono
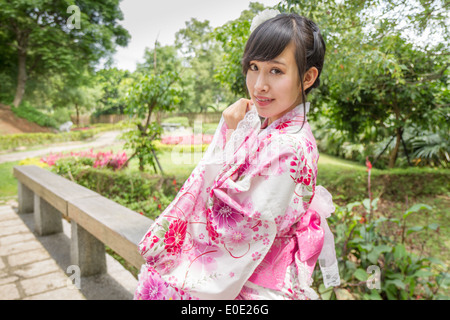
248	223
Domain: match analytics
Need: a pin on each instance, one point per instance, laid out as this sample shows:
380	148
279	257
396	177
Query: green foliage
29	113
155	92
38	31
145	194
375	264
377	82
350	184
233	36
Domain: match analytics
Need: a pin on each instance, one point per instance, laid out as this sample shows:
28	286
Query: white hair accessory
263	16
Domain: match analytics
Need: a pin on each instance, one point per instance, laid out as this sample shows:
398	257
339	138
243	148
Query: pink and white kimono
249	222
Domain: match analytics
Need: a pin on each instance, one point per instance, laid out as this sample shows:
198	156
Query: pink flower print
231	274
152	289
205	256
256	256
278	219
266	241
283	125
212	233
224	215
237	235
174	237
309	146
244	167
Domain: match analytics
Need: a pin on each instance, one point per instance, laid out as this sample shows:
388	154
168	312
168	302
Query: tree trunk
21	78
394	152
78	115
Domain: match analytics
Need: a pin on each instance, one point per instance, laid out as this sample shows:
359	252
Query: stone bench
95	220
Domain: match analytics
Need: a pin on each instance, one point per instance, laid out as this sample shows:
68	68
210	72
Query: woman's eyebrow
277	62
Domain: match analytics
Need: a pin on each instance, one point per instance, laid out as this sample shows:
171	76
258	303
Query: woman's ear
310	77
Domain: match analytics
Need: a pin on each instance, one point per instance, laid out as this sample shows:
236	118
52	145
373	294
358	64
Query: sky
148	20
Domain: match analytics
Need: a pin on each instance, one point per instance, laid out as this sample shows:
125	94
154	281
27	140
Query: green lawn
8	184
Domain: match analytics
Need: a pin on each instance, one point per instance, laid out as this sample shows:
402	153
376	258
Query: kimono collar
297	112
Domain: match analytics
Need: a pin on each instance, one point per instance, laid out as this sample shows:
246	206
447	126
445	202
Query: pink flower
174	237
224	215
256	256
152	289
237	235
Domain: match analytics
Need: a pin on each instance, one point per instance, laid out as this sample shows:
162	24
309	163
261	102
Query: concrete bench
95	220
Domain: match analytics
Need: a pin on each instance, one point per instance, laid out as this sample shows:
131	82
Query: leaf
423	273
415	208
414	229
399	252
343	294
397	282
433	226
373	256
374	295
436	261
160	233
361	274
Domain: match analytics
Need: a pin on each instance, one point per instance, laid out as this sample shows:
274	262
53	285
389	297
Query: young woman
250	222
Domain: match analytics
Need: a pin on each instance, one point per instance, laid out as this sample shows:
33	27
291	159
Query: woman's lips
263	101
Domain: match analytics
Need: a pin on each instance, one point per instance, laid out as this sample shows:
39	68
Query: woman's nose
261	84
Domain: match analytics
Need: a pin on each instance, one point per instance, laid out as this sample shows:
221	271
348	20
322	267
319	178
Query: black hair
271	37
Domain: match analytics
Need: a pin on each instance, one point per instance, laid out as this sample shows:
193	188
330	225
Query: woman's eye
253	67
276	71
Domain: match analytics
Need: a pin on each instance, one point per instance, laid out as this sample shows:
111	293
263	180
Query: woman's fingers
236	112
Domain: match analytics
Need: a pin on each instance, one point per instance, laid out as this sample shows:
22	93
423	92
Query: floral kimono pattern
249	222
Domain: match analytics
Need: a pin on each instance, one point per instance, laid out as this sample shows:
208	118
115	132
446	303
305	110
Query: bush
374	262
140	192
393	184
26	111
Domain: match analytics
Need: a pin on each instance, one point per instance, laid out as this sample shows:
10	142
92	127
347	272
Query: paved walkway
38	268
105	139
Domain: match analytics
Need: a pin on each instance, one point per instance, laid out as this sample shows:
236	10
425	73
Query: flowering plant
102	159
263	16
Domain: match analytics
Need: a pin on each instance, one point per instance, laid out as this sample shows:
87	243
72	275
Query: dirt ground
10	123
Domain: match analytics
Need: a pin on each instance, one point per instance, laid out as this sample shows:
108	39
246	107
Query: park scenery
380	117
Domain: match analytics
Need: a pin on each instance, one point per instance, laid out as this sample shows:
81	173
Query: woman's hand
235	113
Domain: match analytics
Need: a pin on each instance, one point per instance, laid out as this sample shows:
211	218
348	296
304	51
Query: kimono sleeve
249	203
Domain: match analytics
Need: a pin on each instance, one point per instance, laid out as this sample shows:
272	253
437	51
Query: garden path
104	139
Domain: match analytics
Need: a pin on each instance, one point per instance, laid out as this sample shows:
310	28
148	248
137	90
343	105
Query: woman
244	225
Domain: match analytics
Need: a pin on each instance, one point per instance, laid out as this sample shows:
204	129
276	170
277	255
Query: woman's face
274	86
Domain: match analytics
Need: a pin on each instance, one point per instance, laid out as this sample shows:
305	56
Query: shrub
379	245
26	111
140	192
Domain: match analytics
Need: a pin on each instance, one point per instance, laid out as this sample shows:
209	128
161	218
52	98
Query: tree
46	42
150	93
79	91
202	56
114	85
232	36
376	82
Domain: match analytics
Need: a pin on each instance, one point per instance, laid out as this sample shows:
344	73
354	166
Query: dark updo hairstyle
271	37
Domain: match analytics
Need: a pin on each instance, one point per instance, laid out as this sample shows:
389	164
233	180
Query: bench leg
87	252
47	219
26	198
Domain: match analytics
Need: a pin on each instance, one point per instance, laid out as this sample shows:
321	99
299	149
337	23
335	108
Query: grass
8	184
